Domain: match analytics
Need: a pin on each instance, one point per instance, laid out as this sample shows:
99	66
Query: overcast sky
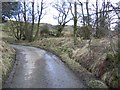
48	18
51	11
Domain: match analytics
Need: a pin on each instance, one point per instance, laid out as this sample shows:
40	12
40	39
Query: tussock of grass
97	84
6	58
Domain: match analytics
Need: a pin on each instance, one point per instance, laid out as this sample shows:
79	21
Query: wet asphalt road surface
37	68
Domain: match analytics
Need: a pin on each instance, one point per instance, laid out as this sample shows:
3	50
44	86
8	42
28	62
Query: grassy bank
70	55
7	57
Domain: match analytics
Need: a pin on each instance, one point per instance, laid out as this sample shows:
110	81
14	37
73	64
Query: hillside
79	59
96	61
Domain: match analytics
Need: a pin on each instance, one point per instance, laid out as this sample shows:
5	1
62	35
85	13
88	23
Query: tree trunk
97	29
60	29
88	28
39	18
88	16
83	14
25	20
75	23
32	27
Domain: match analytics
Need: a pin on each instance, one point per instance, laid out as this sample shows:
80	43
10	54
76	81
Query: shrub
97	84
84	32
44	30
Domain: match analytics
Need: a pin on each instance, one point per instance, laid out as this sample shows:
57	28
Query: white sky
48	18
51	11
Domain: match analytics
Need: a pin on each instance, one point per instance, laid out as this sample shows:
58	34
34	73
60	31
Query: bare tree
96	17
40	7
32	26
75	18
117	11
100	23
37	15
25	20
88	15
17	25
88	27
25	27
63	11
75	23
83	16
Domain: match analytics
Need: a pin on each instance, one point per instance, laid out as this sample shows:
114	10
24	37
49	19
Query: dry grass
76	57
6	58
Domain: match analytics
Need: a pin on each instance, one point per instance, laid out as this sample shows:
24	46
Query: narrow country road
37	68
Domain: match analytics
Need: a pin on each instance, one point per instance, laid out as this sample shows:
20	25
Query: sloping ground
79	60
6	59
94	61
